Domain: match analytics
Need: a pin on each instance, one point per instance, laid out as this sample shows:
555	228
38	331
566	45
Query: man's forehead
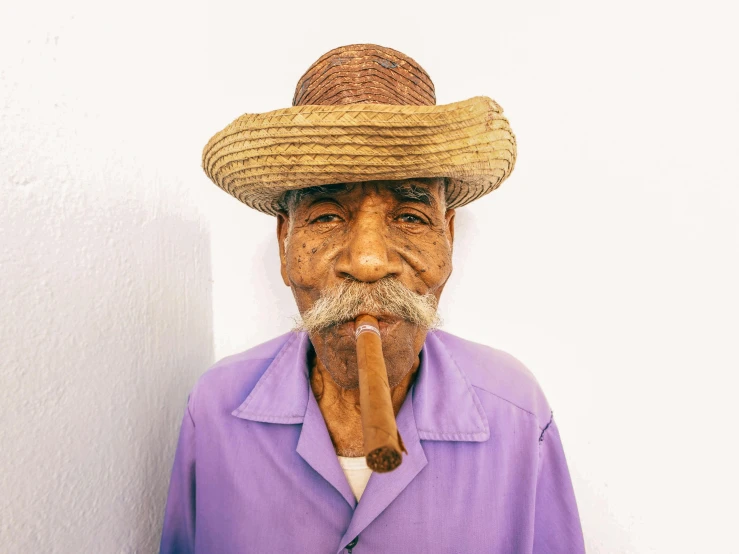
428	191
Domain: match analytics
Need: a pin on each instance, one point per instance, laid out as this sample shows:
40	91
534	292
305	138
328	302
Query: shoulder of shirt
496	372
230	380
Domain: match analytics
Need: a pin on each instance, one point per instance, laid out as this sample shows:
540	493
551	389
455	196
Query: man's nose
367	256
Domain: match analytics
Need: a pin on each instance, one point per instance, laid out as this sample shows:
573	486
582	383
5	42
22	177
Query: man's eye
326	218
410	218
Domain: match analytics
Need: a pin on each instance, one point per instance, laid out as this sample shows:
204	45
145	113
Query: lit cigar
382	442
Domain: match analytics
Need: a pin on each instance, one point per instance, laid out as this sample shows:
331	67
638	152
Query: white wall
607	263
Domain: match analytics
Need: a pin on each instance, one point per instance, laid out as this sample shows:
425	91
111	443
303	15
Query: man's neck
341	411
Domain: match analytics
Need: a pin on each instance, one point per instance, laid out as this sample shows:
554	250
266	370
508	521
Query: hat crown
365	74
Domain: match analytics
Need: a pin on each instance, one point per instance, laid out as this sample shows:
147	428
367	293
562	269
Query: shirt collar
445	406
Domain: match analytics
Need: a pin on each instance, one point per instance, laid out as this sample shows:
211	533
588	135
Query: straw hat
362	113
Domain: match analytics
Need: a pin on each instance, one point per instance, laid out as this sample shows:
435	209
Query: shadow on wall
180	308
112	325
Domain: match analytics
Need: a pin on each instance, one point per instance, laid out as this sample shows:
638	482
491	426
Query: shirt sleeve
178	533
557	527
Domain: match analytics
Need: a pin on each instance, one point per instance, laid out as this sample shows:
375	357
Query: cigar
382	442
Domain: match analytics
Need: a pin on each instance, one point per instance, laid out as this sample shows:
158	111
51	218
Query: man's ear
450	225
283	225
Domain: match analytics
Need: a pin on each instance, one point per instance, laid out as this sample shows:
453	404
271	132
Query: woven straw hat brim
260	156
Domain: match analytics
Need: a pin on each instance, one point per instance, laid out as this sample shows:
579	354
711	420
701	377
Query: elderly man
364	173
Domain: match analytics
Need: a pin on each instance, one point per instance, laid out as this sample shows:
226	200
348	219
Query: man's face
365	232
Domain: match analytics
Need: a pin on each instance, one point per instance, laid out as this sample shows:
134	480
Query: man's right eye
326	218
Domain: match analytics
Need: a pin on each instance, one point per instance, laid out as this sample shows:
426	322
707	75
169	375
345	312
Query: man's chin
336	336
336	347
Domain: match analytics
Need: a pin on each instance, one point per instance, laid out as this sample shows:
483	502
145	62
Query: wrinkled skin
365	233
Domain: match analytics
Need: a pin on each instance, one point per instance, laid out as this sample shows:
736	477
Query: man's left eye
410	218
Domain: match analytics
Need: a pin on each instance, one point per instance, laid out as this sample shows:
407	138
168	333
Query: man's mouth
388	324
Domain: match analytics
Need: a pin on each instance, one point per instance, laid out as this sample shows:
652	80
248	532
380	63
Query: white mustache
351	298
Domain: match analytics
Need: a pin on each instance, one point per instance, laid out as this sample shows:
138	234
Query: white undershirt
357	473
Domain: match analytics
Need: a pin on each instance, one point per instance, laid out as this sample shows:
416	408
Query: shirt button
353	543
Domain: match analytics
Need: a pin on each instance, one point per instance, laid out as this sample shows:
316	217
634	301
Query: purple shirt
255	470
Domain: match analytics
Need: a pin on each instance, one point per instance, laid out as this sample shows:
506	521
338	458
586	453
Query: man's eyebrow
320	197
315	194
411	192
